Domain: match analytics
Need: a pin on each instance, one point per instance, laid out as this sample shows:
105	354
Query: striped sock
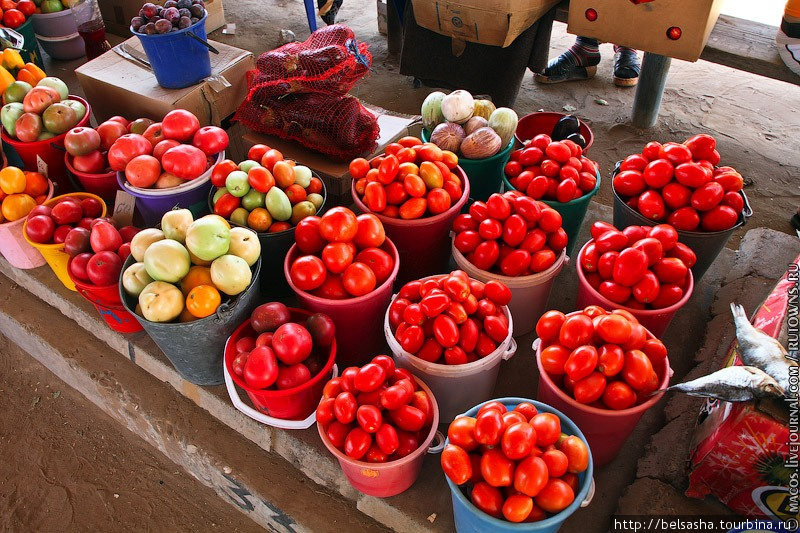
584	53
618	48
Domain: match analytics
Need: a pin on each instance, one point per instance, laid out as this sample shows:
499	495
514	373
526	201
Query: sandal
328	10
562	69
626	67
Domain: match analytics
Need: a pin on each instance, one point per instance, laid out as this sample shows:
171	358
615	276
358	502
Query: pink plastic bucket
532	125
655	320
422	243
386	479
50	151
15	248
606	430
103	185
359	321
291	404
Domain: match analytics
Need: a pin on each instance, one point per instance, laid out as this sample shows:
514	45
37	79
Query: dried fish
732	384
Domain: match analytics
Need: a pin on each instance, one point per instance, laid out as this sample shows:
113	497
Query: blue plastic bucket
470	519
177	58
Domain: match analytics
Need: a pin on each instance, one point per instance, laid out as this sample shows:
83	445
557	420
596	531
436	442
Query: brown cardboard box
117	86
335	174
117	14
646	26
490	22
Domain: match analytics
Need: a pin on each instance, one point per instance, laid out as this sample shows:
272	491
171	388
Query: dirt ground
114	482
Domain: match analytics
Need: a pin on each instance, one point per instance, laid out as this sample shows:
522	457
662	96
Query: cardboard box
335	174
383	17
117	14
647	25
490	22
741	451
117	86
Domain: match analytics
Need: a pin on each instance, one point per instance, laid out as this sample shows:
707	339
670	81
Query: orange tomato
259	219
17	206
8	4
186	316
203	301
35	184
198	275
12	180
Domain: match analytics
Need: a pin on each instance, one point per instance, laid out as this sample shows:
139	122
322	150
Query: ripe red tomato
630	266
359	279
379	261
629	183
707	196
518	440
357	443
576	331
646	289
675	153
180	125
549	325
581	362
375	197
577	453
337	256
517	508
488	499
666	234
461	432
408	418
13	18
358	168
701	146
261	368
496	468
456	464
637	369
369	378
590	389
670	270
338	224
126	148
345	407
308	272
619	395
531	476
555	496
210	139
489	428
658	173
291	343
719	218
676	195
651	205
548	428
387	439
184	161
614	329
734	200
553	359
556	462
307	235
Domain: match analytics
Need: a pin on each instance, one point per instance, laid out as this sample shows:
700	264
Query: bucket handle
261	417
203	42
437	444
511	350
536	343
747	212
589	496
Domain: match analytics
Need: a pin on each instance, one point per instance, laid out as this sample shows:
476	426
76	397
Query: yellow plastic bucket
54	254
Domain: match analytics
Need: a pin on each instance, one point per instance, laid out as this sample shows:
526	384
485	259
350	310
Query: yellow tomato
17	206
198	275
203	301
12	180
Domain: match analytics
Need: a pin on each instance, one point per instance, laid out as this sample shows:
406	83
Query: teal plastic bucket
485	175
178	58
30	48
572	212
470	519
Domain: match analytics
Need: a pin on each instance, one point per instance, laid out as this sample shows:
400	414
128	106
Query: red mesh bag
337	126
330	61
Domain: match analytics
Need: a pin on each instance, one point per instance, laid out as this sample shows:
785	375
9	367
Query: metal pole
650	89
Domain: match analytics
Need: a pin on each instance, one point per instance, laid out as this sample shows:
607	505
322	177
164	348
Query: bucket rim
426	137
586	198
59	247
742	219
608	304
38	144
421	450
255	269
21	220
325	373
580	497
58	39
519	139
293	251
267	234
57	14
187	186
411	223
553	271
663	383
172	33
394	345
80	284
68	162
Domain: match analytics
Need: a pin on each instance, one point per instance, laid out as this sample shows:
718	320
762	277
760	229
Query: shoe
328	10
561	69
626	68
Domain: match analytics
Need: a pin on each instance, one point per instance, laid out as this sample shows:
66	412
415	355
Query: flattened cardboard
489	22
117	86
117	14
645	26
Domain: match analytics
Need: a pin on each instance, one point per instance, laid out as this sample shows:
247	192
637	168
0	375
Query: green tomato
247	164
239	216
218	194
302	176
278	204
302	210
316	199
51	6
237	183
253	199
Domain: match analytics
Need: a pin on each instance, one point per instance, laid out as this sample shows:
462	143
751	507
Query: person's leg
626	66
579	62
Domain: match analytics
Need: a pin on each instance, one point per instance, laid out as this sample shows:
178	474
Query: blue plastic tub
178	60
470	519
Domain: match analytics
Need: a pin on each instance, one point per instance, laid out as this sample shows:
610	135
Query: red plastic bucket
107	301
655	320
290	404
422	243
15	248
103	185
359	321
50	151
387	479
532	125
606	430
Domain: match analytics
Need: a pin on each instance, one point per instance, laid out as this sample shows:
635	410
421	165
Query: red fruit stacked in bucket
344	258
511	234
548	170
99	252
599	358
285	354
450	319
411	180
640	267
376	413
680	184
522	467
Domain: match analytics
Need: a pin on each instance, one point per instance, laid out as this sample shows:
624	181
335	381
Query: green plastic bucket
30	48
485	175
572	212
